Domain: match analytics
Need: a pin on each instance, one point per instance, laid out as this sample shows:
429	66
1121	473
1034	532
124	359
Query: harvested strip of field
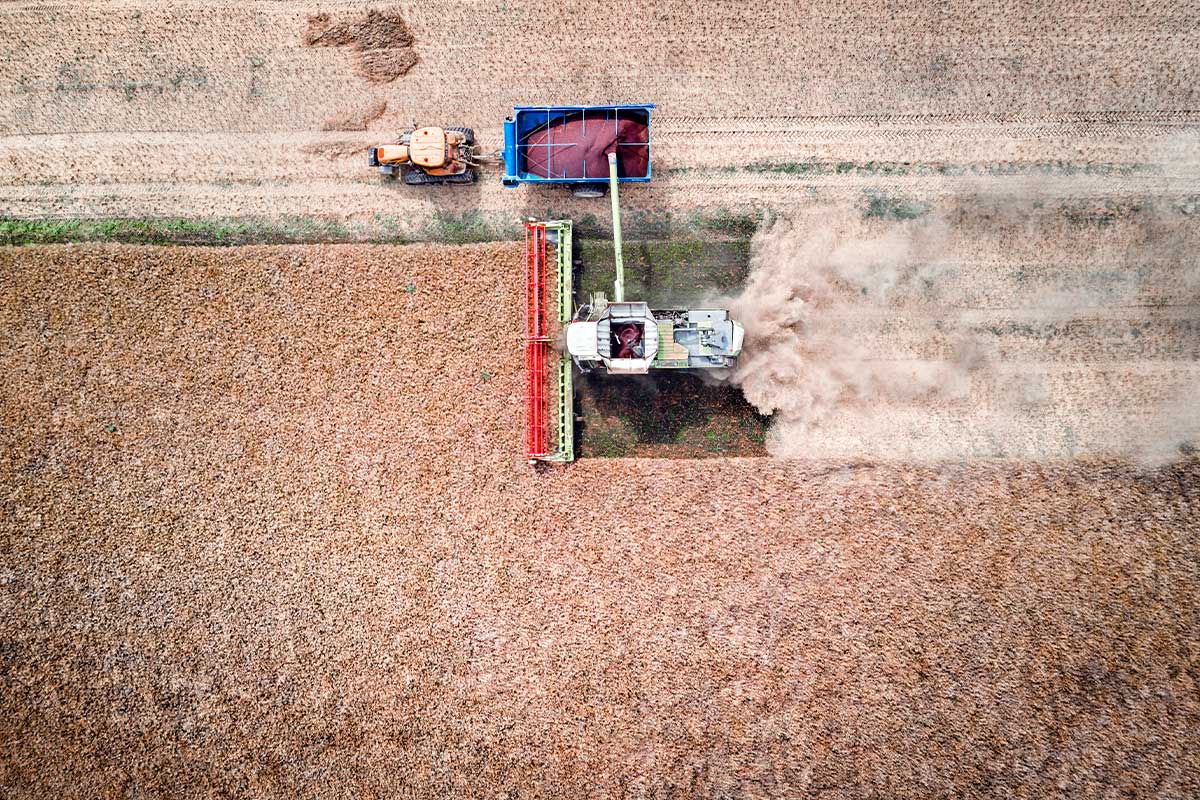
265	532
211	110
356	120
984	327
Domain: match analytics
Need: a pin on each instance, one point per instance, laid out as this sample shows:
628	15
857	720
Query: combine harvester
620	338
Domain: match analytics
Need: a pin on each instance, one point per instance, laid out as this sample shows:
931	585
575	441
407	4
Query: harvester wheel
467	132
590	190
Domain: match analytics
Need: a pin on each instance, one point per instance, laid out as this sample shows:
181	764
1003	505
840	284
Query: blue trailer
570	145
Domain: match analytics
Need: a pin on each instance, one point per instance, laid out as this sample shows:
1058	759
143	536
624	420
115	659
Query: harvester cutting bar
537	343
544	409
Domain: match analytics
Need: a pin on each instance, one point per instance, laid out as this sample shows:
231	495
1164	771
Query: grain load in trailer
571	145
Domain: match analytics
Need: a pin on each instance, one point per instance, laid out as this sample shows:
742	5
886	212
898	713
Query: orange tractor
430	155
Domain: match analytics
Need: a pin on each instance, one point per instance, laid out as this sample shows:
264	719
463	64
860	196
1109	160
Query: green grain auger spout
619	283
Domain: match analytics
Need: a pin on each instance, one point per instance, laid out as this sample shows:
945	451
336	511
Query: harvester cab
430	155
631	339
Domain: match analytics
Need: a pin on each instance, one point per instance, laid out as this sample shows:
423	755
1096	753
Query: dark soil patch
666	415
381	66
381	41
334	150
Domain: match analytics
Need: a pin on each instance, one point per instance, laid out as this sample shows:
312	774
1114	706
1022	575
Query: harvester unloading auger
618	337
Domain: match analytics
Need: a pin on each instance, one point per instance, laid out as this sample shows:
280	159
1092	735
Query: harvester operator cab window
627	340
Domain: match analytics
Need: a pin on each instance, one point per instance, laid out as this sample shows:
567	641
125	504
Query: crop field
266	527
267	534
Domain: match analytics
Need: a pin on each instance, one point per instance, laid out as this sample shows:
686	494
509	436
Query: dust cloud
809	282
862	339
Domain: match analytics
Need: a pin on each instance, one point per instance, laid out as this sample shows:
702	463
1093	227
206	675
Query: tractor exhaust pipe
619	283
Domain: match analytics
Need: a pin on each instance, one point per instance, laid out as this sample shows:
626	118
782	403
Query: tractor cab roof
427	147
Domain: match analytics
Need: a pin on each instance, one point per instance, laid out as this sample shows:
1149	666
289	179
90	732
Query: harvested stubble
265	532
358	119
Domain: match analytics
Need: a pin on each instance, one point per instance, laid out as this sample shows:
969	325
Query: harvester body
632	339
621	337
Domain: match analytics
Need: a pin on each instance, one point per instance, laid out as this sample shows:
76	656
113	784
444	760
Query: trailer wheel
590	190
418	177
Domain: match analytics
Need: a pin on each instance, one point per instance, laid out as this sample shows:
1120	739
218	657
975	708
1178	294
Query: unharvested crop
264	519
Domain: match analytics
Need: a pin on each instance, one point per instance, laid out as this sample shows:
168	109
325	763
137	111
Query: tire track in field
232	174
365	197
1076	122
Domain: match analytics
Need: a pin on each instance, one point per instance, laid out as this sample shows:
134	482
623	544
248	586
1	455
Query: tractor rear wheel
463	177
467	132
414	176
418	177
